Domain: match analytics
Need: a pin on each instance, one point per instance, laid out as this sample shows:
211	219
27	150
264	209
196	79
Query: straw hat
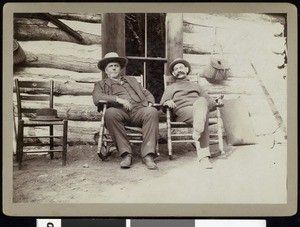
112	57
19	55
46	114
179	60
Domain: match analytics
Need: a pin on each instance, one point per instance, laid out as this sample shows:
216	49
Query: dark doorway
146	49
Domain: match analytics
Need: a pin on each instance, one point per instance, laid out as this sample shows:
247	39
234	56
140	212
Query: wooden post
113	34
174	25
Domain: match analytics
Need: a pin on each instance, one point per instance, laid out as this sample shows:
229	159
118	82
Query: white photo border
146	210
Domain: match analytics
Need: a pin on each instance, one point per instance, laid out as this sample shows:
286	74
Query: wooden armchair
173	137
31	96
105	142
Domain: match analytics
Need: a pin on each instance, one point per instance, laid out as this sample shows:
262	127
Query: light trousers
197	116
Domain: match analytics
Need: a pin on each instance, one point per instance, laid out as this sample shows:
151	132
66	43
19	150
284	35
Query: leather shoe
149	162
126	161
205	163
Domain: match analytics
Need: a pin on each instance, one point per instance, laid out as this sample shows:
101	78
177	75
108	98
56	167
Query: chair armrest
101	104
165	108
157	105
219	102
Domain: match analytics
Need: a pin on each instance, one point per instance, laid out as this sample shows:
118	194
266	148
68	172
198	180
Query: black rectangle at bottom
93	222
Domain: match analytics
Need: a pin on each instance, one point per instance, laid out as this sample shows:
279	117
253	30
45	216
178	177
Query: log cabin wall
254	48
254	45
51	53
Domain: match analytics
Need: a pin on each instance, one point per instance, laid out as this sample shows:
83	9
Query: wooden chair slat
32	137
30	123
35	98
34	84
43	151
182	134
28	110
182	141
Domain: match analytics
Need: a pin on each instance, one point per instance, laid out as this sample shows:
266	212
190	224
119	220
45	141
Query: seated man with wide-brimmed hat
129	102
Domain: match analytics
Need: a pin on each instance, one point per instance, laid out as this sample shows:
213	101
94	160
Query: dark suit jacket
103	91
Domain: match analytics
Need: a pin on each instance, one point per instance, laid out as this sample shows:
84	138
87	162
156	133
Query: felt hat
19	54
46	114
112	57
179	60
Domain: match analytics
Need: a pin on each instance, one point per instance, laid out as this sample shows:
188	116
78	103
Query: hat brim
19	54
103	63
186	63
38	118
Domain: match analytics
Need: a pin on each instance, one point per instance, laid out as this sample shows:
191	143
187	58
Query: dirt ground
44	180
243	175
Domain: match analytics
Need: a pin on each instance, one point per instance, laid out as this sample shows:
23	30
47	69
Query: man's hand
218	101
150	104
170	103
126	104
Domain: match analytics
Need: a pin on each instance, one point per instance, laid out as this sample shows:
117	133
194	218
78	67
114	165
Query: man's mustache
180	72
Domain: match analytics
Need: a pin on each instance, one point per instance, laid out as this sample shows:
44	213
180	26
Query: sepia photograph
142	113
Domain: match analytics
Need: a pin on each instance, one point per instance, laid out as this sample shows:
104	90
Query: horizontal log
62	55
78	133
200	48
86	132
239	64
78	109
249	86
223	20
32	21
192	49
33	73
89	28
75	113
63	49
61	62
33	32
73	88
189	27
85	17
66	88
237	71
233	85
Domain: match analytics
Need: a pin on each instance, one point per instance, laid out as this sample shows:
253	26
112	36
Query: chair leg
157	149
51	142
100	140
169	134
20	143
103	151
18	148
220	135
65	141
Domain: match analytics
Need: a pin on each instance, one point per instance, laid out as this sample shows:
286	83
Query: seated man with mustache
190	104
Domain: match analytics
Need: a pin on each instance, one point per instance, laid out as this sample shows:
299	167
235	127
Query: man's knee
150	113
112	114
201	101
